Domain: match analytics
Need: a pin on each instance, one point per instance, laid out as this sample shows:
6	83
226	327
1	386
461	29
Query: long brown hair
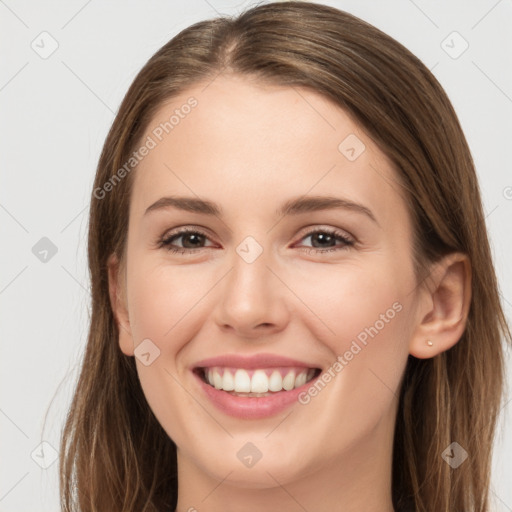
115	456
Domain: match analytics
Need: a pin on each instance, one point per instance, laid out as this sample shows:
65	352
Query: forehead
250	144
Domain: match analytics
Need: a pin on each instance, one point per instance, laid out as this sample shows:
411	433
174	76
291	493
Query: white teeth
242	382
300	380
275	383
260	384
289	380
228	383
217	380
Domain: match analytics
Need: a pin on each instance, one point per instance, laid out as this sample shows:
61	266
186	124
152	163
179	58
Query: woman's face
298	260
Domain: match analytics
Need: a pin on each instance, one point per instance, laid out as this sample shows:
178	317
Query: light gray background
55	115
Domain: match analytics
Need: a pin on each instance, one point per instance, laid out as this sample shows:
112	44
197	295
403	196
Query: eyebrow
294	206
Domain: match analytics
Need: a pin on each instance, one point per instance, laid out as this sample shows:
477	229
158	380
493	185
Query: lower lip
252	407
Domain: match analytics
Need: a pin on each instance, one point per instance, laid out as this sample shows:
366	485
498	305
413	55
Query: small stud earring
429	343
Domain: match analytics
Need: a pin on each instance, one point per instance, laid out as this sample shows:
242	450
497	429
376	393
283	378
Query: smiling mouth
256	382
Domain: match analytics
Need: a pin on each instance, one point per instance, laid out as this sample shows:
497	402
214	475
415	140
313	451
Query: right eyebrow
189	204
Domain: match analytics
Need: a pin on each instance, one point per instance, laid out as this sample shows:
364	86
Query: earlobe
443	308
119	308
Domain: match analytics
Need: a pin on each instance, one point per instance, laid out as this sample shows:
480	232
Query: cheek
348	300
164	309
161	302
364	323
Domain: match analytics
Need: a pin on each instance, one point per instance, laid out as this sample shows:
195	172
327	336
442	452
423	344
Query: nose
252	299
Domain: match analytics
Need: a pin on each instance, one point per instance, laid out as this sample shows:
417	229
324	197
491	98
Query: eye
191	241
323	240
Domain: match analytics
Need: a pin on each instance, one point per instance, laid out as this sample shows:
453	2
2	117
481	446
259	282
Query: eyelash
165	241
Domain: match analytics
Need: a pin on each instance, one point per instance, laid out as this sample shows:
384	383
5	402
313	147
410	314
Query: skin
333	453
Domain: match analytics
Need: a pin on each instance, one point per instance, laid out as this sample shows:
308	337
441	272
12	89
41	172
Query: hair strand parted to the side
115	456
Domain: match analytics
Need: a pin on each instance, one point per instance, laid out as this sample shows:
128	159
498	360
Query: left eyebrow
294	206
308	204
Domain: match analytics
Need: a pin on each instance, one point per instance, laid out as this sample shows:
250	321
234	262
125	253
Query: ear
443	307
117	291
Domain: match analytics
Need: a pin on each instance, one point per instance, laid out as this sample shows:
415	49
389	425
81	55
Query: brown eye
323	240
191	240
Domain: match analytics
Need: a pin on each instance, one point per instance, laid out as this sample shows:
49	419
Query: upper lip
251	362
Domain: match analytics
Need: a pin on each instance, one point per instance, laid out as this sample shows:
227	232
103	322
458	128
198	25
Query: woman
294	303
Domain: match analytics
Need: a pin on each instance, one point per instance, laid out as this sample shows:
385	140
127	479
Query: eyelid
313	228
